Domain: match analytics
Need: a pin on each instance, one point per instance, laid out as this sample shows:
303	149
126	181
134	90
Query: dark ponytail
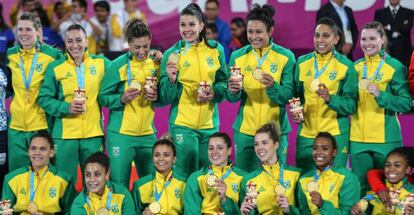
194	9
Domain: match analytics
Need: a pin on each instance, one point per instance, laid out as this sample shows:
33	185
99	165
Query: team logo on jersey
39	67
210	62
235	187
287	184
309	73
248	68
261	189
92	70
68	75
273	68
379	76
115	208
116	151
332	75
177	193
52	192
344	150
331	187
179	138
152	194
186	64
22	191
17	66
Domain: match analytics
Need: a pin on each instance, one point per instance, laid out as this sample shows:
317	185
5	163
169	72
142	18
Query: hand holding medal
151	88
235	80
6	208
316	198
78	106
172	67
205	92
373	89
323	92
267	80
132	93
283	203
221	189
250	200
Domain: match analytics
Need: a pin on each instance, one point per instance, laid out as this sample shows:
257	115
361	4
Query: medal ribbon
316	176
80	74
32	189
318	72
108	200
186	48
158	195
29	79
129	74
369	197
210	172
281	180
365	75
261	60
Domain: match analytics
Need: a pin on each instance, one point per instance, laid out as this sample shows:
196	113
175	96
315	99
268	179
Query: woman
69	94
397	168
6	34
238	33
383	91
326	83
327	189
101	196
266	86
28	62
162	191
193	81
214	189
131	132
39	188
271	188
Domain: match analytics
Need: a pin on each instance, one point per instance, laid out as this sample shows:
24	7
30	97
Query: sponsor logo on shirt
332	75
273	68
39	67
177	193
235	187
92	70
52	192
210	61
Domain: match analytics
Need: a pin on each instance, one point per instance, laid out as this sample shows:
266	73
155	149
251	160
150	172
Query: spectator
238	33
223	31
21	7
211	31
6	34
397	22
102	10
344	18
56	10
48	36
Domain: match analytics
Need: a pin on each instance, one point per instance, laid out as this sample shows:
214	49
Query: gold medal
363	84
135	84
174	58
212	180
313	186
363	205
258	74
102	211
315	84
279	189
155	207
32	208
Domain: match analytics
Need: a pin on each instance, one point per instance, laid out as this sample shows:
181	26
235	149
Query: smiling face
257	34
323	152
163	158
396	168
265	148
76	43
27	34
140	47
190	28
95	178
218	152
324	39
40	153
371	42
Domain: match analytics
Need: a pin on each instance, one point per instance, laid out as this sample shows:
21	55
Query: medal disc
315	84
32	208
211	180
135	84
258	74
155	207
363	84
363	205
173	58
102	211
313	186
279	189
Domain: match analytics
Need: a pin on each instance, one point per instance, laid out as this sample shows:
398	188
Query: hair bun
269	10
167	136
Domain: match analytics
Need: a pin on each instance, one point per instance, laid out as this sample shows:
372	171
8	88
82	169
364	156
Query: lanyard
32	189
227	174
186	48
167	183
316	176
365	75
80	73
281	181
261	60
29	79
369	197
129	73
108	200
318	72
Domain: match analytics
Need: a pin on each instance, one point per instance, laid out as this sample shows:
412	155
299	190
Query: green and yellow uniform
115	198
403	191
130	132
338	187
259	104
200	198
75	136
191	122
169	189
54	190
339	76
26	116
375	129
265	180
